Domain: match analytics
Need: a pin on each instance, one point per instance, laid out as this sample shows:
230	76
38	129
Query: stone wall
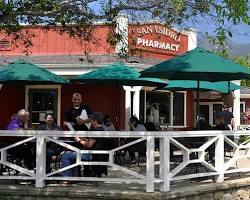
230	190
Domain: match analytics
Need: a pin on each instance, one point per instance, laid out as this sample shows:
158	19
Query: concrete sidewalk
201	188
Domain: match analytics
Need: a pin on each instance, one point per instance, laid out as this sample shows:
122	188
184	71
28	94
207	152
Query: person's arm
131	126
83	121
233	123
86	143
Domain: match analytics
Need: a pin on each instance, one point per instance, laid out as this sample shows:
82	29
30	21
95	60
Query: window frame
171	111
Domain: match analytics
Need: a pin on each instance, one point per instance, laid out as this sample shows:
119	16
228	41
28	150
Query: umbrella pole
198	102
229	89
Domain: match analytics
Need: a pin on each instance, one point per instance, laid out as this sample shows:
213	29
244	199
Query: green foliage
76	16
244	61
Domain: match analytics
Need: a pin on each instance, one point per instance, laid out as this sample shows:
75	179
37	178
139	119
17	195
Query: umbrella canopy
198	64
180	85
117	74
24	72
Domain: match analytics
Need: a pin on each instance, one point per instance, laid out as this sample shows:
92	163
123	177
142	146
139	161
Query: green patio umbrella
200	65
26	73
186	85
117	74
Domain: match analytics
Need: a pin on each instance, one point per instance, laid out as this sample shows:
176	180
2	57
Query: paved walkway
10	189
89	190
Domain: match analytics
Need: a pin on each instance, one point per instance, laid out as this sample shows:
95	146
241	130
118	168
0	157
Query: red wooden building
147	44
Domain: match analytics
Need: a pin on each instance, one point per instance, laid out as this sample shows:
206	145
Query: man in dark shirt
72	115
228	117
69	157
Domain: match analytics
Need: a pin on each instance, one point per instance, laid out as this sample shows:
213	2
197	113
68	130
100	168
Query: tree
244	61
76	16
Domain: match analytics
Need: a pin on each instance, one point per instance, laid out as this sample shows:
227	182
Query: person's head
225	107
76	99
134	120
203	124
219	120
22	115
27	116
49	119
107	120
97	119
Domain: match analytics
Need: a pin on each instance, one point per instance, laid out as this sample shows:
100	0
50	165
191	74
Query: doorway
210	110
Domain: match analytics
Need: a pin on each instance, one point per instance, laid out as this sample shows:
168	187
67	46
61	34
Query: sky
241	33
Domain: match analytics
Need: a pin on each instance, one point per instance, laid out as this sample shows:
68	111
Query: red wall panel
12	99
105	99
52	42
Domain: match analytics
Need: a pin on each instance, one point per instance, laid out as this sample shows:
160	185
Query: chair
102	144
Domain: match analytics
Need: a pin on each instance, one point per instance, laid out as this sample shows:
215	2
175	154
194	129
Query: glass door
204	112
42	102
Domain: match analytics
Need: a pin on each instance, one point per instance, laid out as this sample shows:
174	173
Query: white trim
210	104
245	96
244	105
185	108
57	87
171	111
77	69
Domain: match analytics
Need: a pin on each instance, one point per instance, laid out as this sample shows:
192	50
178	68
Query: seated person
107	123
26	151
220	123
52	148
135	125
18	121
49	124
202	124
69	157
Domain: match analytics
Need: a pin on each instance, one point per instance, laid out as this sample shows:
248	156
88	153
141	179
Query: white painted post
236	107
164	164
150	171
219	158
40	161
192	39
171	112
136	101
127	106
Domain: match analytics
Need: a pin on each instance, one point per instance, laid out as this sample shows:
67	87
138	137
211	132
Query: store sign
157	43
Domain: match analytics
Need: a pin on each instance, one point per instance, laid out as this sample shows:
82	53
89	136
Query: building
146	43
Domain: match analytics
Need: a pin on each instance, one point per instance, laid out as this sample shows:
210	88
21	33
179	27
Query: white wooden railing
173	144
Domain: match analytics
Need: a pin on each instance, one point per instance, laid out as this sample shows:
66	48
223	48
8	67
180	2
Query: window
242	107
210	110
178	109
41	100
163	108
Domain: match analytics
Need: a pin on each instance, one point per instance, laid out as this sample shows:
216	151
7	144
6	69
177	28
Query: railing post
219	158
150	174
164	164
40	161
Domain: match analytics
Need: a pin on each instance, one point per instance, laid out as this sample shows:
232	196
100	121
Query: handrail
168	141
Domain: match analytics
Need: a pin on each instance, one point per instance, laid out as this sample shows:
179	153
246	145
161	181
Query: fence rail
182	155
